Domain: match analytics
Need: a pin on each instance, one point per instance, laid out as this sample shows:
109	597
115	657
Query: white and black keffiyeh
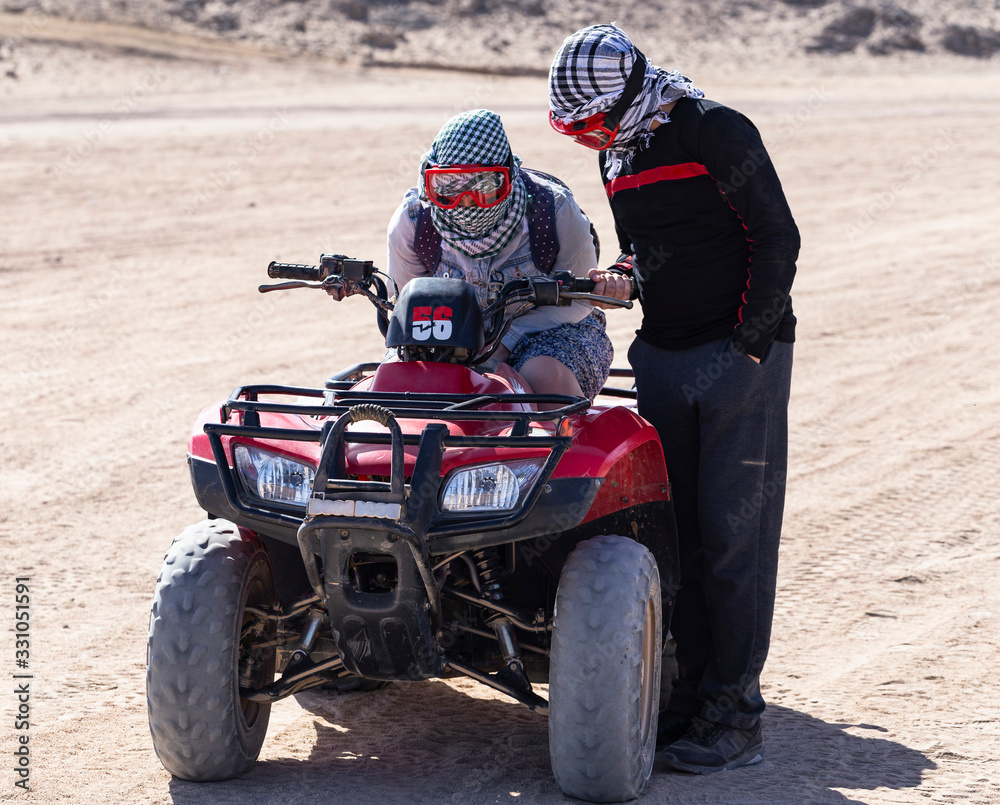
588	75
476	138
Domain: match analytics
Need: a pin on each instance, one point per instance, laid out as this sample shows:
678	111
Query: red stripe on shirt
665	173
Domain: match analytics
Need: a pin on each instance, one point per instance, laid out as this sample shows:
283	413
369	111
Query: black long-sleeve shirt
714	241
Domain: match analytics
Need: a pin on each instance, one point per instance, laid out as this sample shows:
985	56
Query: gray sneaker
708	747
670	728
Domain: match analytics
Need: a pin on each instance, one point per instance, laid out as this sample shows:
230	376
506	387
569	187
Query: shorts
584	347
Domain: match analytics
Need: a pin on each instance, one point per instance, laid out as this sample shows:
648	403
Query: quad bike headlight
489	487
273	477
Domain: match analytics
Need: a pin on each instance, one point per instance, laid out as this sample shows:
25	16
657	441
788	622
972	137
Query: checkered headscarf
476	138
588	76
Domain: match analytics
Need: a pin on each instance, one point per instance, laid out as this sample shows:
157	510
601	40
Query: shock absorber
489	567
308	638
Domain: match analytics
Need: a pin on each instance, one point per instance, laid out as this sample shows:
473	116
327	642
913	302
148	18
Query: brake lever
590	297
287	286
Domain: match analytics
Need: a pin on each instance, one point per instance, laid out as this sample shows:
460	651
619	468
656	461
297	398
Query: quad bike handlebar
294	271
329	265
343	276
561	288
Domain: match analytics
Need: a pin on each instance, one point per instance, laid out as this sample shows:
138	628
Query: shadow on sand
426	742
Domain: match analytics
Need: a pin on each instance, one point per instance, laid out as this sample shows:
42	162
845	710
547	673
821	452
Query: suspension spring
490	568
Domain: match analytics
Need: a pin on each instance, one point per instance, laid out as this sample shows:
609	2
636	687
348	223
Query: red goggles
484	185
599	131
594	132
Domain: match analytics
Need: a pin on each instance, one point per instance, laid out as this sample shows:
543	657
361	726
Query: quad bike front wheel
201	650
604	677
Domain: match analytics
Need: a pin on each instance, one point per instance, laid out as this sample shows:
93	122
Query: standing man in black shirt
705	229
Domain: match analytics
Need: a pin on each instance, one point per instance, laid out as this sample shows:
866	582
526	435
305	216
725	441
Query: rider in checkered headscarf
477	138
487	239
588	75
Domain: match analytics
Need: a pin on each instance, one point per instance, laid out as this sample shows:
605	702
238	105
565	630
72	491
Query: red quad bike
421	518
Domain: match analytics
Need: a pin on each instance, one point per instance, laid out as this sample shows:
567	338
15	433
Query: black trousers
722	420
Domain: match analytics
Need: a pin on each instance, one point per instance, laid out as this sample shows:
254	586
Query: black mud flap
378	604
381	597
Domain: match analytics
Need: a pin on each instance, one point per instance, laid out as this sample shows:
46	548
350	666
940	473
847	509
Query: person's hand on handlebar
609	283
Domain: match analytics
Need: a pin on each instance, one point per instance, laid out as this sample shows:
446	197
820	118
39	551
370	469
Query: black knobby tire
202	729
604	678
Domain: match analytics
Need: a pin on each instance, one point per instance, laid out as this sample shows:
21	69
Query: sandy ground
146	182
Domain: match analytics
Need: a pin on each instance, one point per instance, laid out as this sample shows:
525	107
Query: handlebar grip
294	271
587	286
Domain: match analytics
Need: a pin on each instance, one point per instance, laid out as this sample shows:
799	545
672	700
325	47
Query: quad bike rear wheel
200	652
604	678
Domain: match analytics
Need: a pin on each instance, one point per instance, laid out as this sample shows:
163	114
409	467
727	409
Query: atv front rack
416	405
446	532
